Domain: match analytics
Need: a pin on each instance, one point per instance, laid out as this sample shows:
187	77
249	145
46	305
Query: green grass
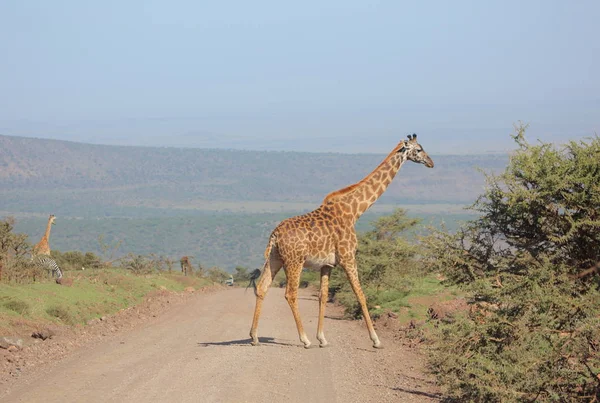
94	293
424	293
20	307
410	303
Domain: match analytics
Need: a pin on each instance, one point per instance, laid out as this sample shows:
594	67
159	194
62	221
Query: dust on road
200	352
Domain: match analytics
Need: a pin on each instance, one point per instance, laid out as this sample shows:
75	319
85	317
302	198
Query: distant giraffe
43	246
186	266
41	252
326	237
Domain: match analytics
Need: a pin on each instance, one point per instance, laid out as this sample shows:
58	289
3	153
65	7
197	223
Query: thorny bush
530	264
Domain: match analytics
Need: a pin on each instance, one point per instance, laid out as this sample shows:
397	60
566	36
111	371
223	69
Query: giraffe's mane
349	189
342	192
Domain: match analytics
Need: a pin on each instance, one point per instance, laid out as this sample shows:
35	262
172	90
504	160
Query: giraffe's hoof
378	345
324	345
307	345
255	343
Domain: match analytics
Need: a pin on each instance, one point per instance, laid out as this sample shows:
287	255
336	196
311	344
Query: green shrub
11	244
21	270
18	306
310	277
75	260
242	275
139	264
533	332
14	266
217	275
62	313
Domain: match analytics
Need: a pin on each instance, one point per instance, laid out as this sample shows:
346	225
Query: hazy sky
344	76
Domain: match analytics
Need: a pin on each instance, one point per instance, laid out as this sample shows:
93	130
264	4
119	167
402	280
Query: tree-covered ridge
182	177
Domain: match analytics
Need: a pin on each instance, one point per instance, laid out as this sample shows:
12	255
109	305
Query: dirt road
200	352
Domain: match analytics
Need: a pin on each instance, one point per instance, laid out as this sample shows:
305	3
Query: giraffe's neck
47	233
43	247
355	199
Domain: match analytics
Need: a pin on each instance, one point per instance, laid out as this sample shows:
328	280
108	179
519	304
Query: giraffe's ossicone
326	237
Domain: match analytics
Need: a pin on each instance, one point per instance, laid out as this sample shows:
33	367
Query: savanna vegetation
217	205
529	265
390	271
526	262
224	240
92	286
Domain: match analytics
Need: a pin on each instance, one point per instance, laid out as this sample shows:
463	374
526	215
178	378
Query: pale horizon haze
335	76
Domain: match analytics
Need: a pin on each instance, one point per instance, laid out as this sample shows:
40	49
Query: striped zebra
47	263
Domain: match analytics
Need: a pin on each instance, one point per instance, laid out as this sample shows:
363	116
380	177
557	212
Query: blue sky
348	76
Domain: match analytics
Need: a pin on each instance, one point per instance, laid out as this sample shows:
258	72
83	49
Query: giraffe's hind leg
270	270
323	295
291	295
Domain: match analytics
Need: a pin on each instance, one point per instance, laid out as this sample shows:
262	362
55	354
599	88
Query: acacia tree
529	263
12	244
13	248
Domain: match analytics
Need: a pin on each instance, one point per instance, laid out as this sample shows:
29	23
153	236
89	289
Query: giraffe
326	237
186	266
43	247
41	253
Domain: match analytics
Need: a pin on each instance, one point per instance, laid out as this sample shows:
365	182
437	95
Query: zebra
46	262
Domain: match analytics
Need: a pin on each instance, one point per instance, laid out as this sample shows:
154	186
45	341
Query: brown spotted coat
326	237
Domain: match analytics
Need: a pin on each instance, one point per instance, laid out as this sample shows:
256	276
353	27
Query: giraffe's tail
255	275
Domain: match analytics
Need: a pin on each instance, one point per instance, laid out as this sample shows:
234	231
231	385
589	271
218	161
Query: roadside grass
415	304
279	279
94	293
410	302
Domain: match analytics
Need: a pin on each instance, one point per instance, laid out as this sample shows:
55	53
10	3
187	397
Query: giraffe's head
52	218
414	152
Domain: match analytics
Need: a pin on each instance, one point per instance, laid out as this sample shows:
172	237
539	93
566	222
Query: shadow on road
334	317
309	298
246	343
419	393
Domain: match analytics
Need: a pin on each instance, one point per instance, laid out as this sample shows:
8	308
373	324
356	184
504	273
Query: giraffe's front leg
349	265
323	295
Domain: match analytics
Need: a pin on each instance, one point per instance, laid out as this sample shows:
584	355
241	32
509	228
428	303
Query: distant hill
37	175
217	205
